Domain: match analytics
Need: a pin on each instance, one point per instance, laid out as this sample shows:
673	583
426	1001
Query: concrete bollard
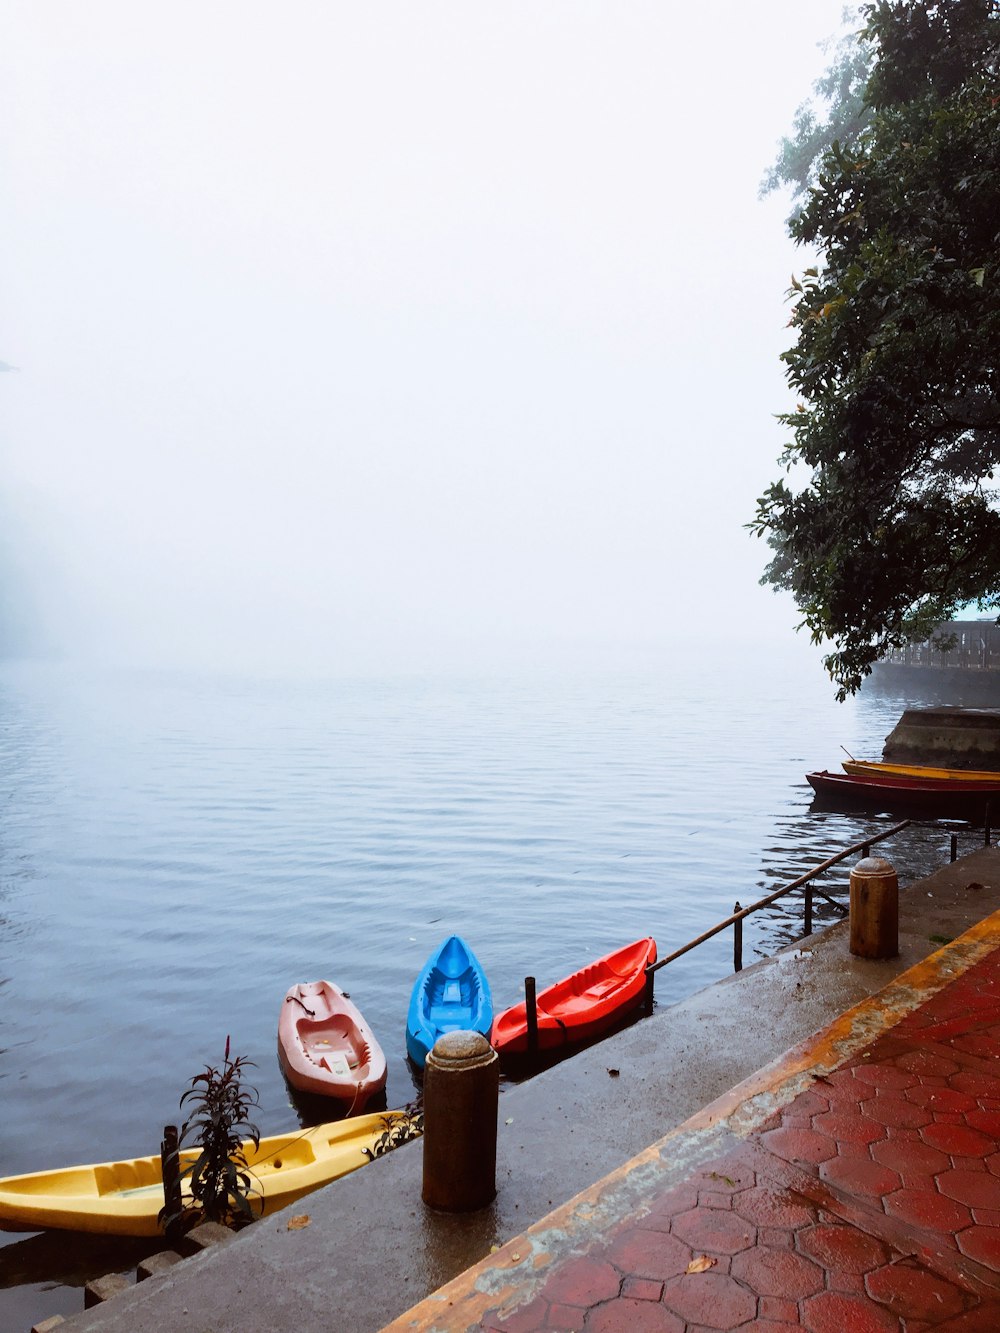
874	909
461	1090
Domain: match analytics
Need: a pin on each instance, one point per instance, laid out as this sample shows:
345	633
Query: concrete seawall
371	1249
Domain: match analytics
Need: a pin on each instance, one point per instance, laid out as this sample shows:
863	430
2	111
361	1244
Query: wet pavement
696	1081
869	1201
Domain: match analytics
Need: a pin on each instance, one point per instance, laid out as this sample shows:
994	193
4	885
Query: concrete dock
371	1251
852	1185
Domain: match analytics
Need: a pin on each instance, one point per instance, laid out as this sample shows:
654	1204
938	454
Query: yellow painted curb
779	1082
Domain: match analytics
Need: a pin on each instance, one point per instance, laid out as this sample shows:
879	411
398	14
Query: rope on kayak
357	1094
290	998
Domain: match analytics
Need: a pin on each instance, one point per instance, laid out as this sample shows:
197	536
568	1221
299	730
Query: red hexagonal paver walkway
871	1202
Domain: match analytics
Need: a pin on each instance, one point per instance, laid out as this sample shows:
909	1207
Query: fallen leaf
509	1120
701	1264
515	1257
299	1221
614	1072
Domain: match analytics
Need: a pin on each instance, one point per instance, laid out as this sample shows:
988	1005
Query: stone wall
948	737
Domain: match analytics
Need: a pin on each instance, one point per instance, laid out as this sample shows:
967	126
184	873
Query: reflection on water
62	1259
175	852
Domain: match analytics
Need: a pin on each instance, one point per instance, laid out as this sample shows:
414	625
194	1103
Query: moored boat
864	768
124	1198
326	1047
941	797
583	1004
451	994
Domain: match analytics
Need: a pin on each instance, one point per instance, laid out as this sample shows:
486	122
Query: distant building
977	648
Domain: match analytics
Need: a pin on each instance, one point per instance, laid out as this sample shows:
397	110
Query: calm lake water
176	851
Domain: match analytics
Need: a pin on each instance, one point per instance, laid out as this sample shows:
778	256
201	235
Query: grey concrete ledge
372	1249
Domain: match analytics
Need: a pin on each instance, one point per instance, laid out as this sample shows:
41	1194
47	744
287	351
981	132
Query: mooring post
171	1178
461	1092
874	909
650	982
954	846
738	940
531	1014
808	923
987	831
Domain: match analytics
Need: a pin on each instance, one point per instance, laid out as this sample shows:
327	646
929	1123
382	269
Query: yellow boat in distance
124	1198
870	769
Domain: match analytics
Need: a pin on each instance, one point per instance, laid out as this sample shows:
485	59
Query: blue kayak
451	994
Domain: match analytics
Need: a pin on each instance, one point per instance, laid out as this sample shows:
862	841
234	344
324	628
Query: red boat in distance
942	797
582	1005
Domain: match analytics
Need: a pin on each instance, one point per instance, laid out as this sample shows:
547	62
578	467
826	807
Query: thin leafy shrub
220	1102
400	1127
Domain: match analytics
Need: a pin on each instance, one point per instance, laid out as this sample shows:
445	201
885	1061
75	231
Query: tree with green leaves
835	112
887	520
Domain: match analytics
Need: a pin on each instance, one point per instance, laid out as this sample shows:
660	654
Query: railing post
171	1180
531	1014
866	850
738	941
954	846
809	908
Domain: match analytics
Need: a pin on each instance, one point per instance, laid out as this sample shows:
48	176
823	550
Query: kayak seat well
120	1176
602	987
448	1016
339	1063
295	1152
449	1002
344	1060
334	1037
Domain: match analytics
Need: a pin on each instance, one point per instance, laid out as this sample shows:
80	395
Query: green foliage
221	1104
400	1127
835	113
888	520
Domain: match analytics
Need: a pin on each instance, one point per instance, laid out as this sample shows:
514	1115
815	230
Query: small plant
221	1102
400	1127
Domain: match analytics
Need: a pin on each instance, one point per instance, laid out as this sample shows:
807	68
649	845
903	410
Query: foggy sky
367	336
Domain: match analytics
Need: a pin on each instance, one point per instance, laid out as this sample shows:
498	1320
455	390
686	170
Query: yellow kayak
123	1198
865	768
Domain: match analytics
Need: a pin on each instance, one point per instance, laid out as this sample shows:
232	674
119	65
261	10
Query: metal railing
739	913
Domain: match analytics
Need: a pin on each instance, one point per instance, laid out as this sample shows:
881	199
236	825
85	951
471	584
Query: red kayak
582	1005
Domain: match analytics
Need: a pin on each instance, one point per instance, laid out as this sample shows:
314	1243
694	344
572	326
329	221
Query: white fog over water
363	338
